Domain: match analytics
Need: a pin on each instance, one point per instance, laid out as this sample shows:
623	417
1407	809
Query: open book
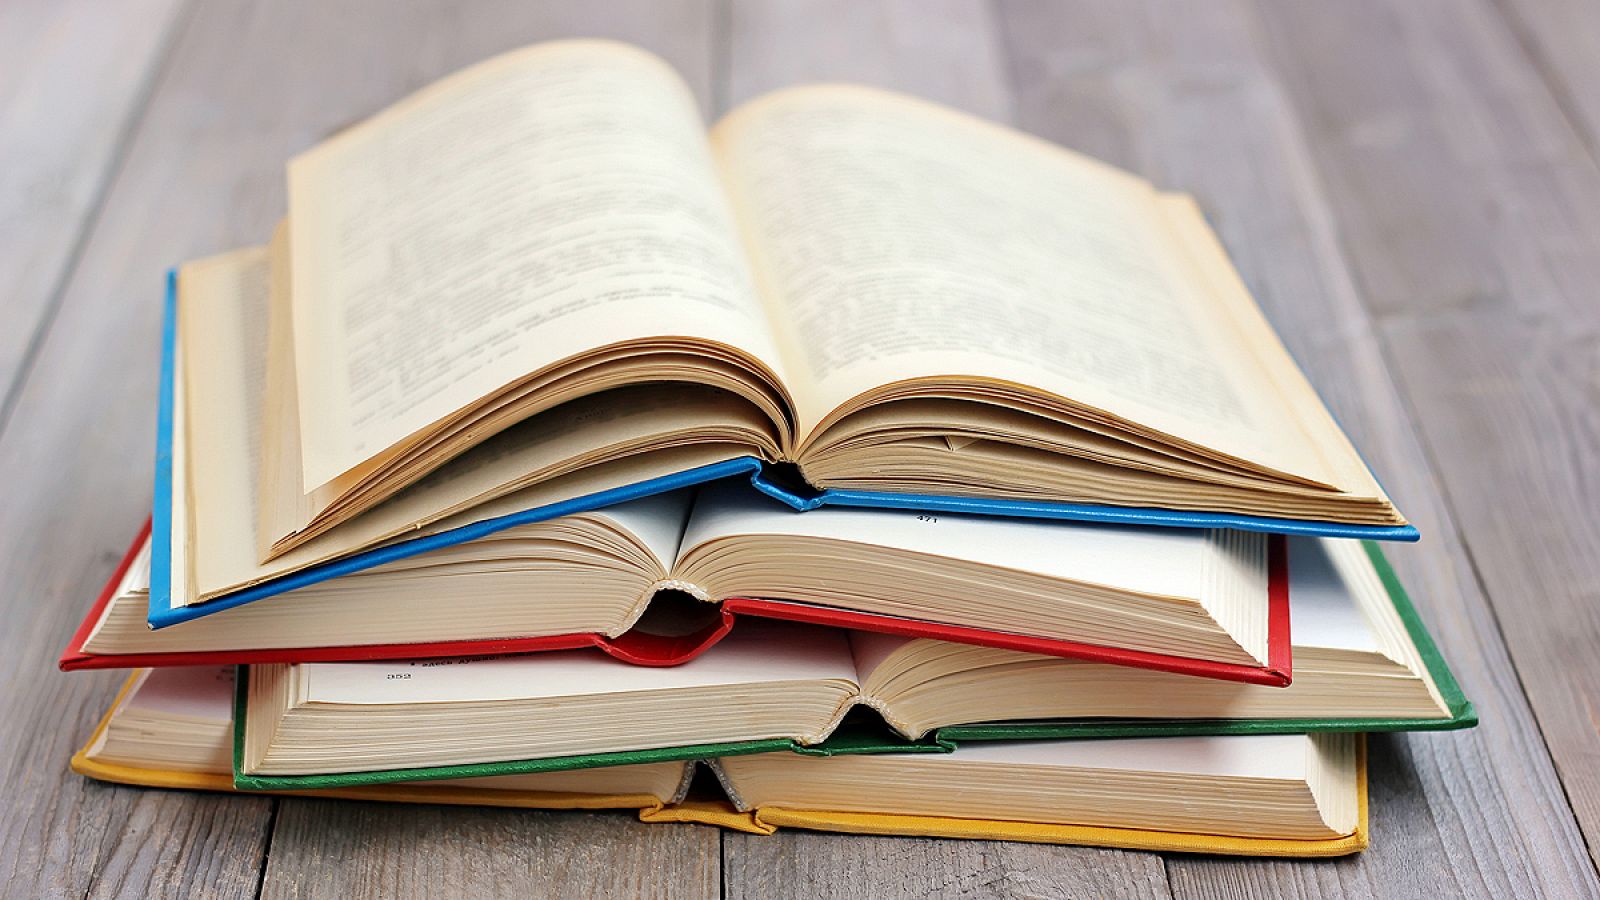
1292	795
636	577
887	294
786	685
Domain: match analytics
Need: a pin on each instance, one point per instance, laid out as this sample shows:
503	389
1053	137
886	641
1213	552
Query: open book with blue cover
846	295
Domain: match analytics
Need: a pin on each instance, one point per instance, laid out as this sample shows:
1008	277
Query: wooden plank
948	51
341	849
1443	147
177	845
73	80
1183	94
247	86
855	867
944	50
73	77
1562	37
61	835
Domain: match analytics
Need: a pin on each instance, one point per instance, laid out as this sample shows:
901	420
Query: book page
203	693
1166	562
1275	756
1323	611
136	580
222	330
223	302
657	522
754	653
1238	756
871	648
901	240
538	206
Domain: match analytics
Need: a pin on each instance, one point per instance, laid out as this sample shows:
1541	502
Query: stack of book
855	465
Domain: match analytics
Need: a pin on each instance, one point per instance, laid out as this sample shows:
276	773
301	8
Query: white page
657	522
1322	606
1159	561
195	692
1253	755
137	577
756	652
871	648
178	555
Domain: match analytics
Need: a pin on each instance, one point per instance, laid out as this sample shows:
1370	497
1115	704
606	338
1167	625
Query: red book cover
645	649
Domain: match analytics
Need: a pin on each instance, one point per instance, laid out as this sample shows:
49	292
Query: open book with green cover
897	299
1295	795
780	685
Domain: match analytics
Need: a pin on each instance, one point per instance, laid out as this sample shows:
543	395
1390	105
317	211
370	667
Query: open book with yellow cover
1266	795
542	278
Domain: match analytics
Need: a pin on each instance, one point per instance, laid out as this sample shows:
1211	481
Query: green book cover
864	732
855	735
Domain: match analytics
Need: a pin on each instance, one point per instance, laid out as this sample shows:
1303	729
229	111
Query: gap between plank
115	162
1528	42
1336	235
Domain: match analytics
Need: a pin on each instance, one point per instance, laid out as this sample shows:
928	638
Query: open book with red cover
658	580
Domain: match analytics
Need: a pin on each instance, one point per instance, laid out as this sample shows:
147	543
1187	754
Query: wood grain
246	86
73	78
1150	88
1410	189
789	864
1441	146
340	849
943	50
1562	38
74	473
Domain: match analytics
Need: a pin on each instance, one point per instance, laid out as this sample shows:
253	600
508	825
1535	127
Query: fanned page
524	213
191	705
1273	786
181	720
900	241
765	653
770	682
1351	660
1194	593
223	311
1160	562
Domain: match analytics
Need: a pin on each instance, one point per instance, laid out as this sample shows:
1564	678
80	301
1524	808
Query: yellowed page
592	444
282	504
905	241
222	329
534	207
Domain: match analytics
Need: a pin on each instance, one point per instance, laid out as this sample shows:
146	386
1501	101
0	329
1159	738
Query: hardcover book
778	682
654	580
1287	795
895	301
1354	631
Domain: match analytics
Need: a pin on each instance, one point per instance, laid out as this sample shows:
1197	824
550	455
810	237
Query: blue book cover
768	479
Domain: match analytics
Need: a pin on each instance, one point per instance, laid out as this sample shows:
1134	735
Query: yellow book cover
722	813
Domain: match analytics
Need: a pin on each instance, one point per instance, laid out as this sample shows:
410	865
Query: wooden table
1410	188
